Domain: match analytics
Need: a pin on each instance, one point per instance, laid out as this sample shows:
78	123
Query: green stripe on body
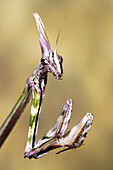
33	115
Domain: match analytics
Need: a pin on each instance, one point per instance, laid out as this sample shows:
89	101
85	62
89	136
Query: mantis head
51	60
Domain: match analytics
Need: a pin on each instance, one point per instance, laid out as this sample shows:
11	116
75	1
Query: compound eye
60	58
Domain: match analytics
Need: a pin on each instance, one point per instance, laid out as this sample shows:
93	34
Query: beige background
86	44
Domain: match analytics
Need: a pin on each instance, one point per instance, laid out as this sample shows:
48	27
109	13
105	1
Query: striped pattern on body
34	113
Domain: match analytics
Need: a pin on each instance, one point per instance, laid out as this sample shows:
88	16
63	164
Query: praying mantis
35	88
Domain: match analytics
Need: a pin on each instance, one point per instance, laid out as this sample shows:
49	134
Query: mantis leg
58	129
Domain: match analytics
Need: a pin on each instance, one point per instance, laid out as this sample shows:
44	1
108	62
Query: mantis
35	88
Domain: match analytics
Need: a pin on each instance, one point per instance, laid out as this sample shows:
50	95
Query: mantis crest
35	88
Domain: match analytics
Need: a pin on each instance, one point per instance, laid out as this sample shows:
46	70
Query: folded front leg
58	129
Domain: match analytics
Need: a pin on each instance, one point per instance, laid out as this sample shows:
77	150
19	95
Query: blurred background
86	44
